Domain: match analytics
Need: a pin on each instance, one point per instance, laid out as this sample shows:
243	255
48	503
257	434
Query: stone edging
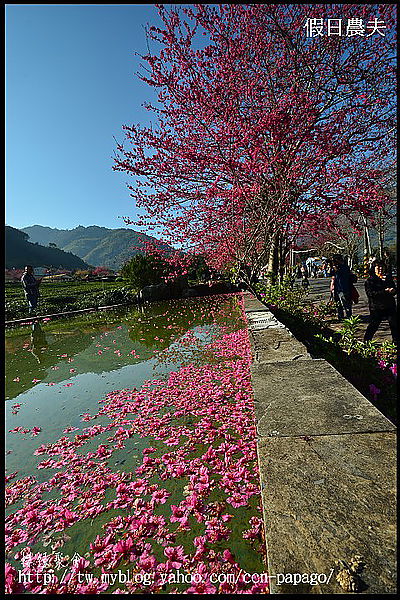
29	320
327	461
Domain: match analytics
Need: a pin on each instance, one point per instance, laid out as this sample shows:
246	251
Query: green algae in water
98	374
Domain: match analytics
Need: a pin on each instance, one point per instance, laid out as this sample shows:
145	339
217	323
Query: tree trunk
273	260
281	258
367	241
381	234
351	260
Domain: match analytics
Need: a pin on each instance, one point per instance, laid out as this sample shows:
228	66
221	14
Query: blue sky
70	86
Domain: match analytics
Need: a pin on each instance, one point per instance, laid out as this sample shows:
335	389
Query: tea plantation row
60	296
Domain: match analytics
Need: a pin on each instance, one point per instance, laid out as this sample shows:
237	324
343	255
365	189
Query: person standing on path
381	289
343	280
31	287
304	277
387	259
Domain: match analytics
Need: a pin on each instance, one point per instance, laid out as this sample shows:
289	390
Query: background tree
383	222
142	270
259	125
198	269
343	234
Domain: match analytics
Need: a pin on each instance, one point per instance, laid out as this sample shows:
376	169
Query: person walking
310	266
387	259
292	276
342	281
381	290
304	277
31	287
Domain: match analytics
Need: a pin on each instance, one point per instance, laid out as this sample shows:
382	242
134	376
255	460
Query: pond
131	453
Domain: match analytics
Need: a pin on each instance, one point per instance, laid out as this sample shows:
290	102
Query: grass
55	288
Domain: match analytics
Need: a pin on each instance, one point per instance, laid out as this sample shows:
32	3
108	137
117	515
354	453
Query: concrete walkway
327	460
319	292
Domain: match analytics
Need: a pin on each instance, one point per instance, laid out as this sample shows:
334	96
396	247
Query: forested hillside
97	246
20	251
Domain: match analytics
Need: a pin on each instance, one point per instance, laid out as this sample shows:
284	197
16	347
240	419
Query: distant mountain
98	246
20	252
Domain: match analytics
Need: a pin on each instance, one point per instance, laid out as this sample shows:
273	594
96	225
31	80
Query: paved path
319	291
327	462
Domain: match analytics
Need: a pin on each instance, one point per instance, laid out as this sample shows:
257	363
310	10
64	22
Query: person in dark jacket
381	290
304	277
343	280
31	287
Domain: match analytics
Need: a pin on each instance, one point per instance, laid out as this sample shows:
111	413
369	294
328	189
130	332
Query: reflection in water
97	352
170	441
38	341
156	329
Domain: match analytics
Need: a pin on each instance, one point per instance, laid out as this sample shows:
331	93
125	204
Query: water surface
58	371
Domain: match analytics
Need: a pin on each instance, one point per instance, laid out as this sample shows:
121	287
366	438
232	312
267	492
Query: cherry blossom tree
101	271
260	125
341	235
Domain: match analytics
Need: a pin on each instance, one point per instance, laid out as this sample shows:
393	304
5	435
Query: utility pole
367	248
291	265
381	232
